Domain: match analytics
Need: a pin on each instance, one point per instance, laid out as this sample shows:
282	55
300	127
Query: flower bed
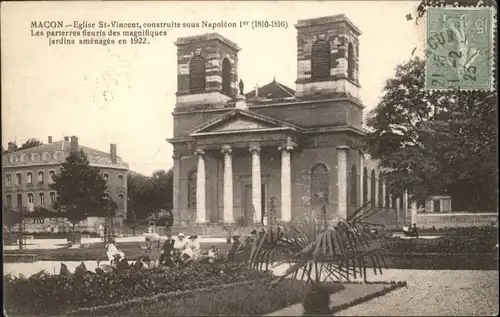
246	299
52	294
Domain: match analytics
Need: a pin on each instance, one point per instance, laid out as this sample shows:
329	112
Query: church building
241	156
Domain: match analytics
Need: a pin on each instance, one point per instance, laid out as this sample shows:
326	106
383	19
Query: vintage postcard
258	158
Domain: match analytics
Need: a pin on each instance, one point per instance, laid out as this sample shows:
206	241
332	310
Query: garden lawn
253	299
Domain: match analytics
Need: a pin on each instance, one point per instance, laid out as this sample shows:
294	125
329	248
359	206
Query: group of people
188	249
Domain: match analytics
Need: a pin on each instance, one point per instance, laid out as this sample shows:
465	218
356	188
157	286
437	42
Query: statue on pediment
241	85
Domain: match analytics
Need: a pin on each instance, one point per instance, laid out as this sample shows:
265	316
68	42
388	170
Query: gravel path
434	293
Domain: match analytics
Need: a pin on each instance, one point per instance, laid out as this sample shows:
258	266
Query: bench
20	257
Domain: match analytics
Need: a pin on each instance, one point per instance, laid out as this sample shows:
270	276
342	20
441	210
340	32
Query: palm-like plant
319	252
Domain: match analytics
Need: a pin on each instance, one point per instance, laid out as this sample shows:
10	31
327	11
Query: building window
121	180
320	185
120	201
106	177
19	200
320	60
42	200
52	198
197	74
18	179
380	189
354	186
373	186
192	189
31	198
51	177
8	179
365	185
350	61
226	76
29	178
9	201
40	177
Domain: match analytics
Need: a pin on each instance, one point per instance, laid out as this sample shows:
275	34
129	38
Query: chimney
74	144
50	139
66	138
112	152
12	147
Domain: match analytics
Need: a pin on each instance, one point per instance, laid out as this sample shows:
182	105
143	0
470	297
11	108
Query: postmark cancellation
460	48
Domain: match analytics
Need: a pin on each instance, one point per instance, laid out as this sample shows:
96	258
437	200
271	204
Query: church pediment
240	124
238	121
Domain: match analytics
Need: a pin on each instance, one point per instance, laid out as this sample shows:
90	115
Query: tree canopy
436	142
29	144
81	190
148	194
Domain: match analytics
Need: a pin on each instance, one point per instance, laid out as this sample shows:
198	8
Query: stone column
369	193
286	183
342	180
391	205
201	212
414	213
176	210
256	183
383	192
405	205
398	213
228	184
375	194
361	178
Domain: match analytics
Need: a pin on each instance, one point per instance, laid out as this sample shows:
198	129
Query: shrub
43	293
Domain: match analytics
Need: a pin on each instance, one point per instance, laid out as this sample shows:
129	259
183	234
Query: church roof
273	90
60	146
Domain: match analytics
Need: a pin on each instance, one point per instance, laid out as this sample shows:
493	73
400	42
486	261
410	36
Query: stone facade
301	148
27	180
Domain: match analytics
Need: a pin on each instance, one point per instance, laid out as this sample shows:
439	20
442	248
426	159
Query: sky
125	93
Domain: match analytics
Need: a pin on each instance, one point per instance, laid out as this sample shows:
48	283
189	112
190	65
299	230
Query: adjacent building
233	152
27	176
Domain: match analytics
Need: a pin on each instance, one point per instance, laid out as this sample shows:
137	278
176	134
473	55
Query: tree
81	189
435	142
29	144
149	194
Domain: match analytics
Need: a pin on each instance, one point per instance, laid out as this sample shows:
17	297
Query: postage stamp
460	48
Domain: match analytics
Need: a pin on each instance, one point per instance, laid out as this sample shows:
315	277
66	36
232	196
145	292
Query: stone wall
455	219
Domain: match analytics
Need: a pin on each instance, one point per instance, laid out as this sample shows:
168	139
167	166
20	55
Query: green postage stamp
460	48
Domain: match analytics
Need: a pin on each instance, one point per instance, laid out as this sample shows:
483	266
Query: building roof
60	146
273	90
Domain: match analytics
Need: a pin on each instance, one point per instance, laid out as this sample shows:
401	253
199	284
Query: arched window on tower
320	185
320	60
350	61
192	189
354	186
197	74
380	189
365	185
373	185
226	77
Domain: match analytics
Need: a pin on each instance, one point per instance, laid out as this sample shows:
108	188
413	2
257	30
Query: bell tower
327	57
206	71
